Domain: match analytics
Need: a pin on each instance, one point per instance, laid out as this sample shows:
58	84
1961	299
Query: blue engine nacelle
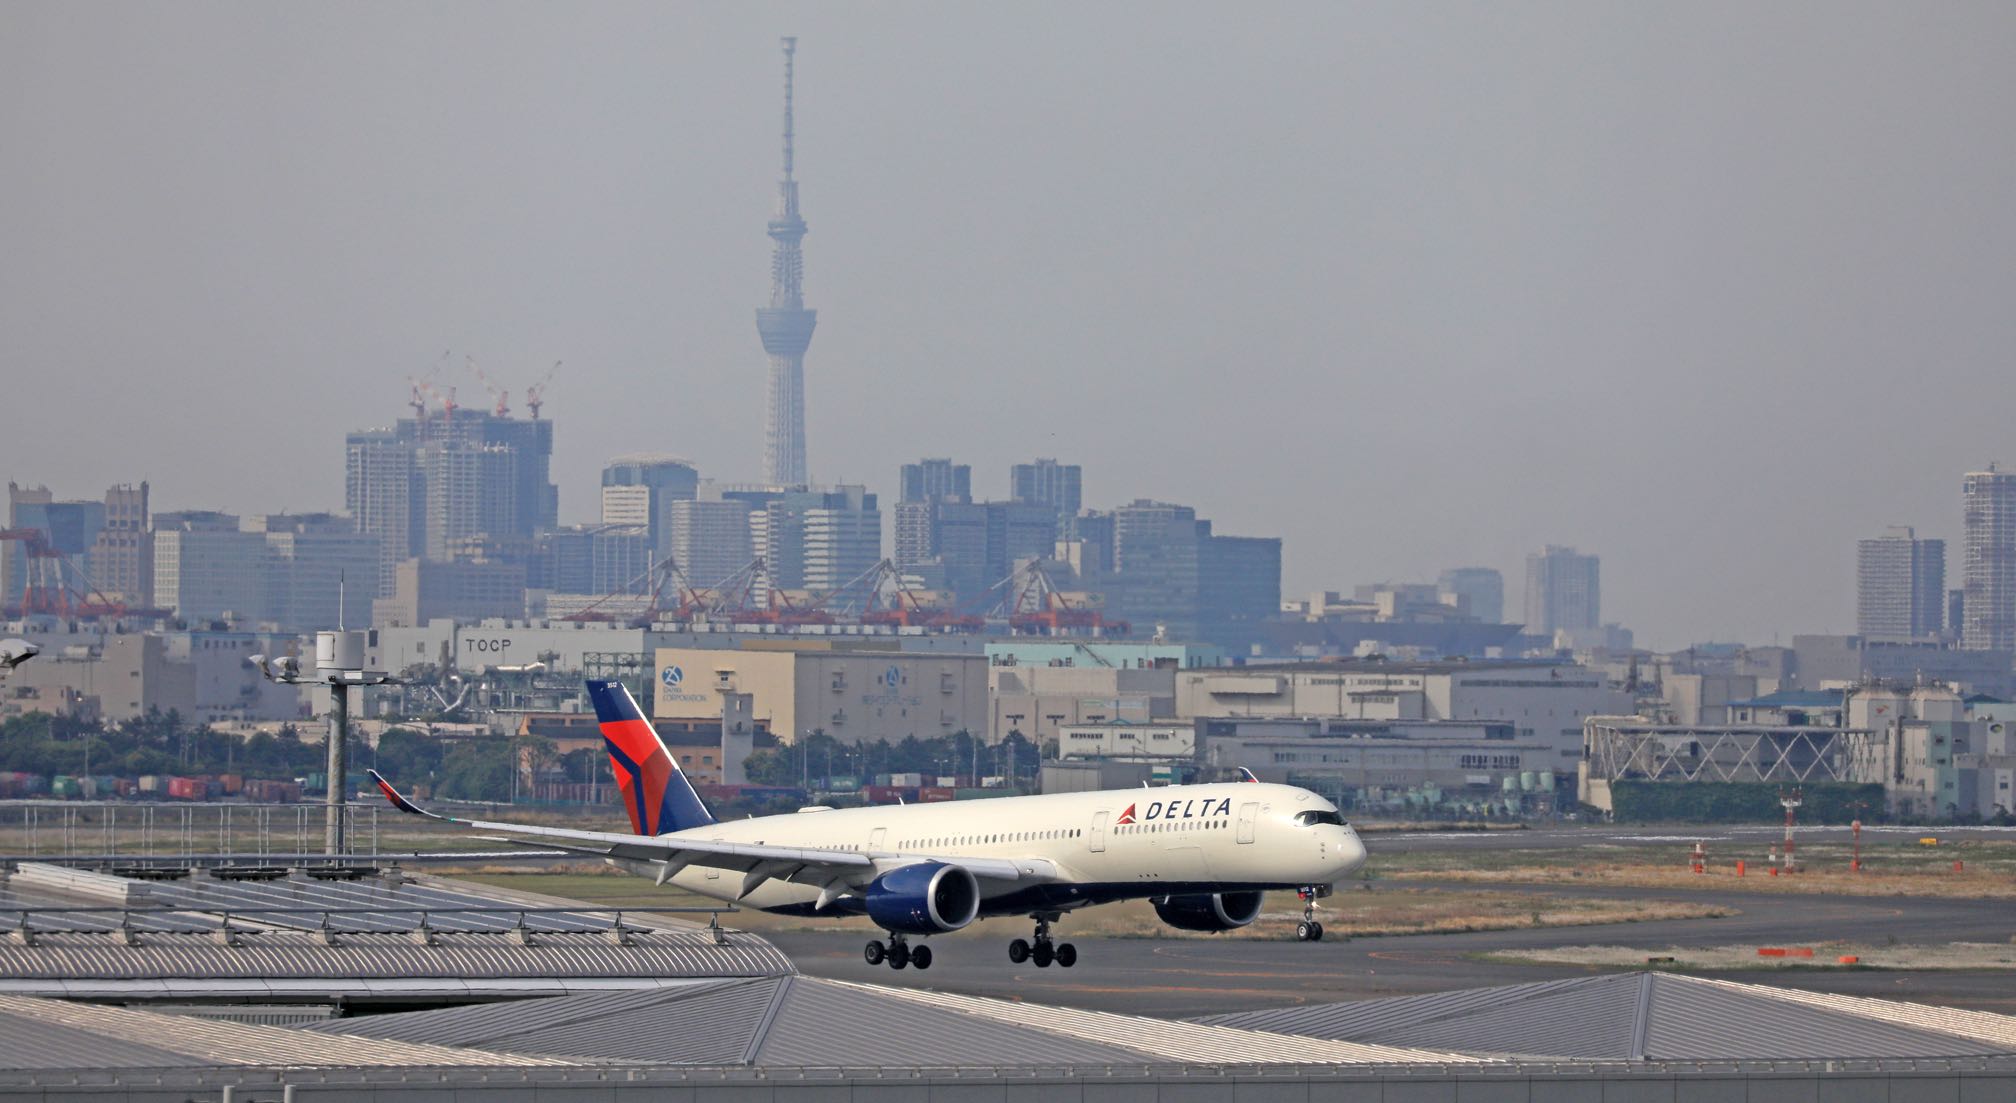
926	898
1218	911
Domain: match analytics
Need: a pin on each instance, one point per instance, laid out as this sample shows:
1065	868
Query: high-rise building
1172	575
1900	587
385	497
638	491
1988	572
70	528
934	480
318	573
1481	588
710	540
785	325
1238	586
592	559
817	539
969	546
1057	485
122	557
207	567
1563	590
440	483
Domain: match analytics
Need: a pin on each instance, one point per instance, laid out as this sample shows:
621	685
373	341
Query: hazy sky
1711	290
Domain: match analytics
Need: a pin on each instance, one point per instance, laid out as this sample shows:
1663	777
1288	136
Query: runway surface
1179	978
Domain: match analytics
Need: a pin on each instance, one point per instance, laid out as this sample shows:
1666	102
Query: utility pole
339	665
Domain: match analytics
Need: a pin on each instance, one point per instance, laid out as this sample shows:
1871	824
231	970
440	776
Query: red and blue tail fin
658	797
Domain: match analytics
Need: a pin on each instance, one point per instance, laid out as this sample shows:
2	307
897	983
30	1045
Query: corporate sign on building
672	677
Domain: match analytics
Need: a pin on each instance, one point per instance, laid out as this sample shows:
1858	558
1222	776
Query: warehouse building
856	696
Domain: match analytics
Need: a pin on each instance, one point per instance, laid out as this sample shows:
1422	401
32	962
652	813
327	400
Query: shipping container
906	781
233	783
64	787
150	784
933	793
185	788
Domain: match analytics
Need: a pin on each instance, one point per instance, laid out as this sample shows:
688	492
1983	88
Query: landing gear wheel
899	956
874	952
1305	931
1018	951
1044	954
1317	935
920	958
1067	955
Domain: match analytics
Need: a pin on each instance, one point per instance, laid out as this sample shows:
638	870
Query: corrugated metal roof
37	1034
1650	1016
1166	1040
280	954
700	1024
823	1023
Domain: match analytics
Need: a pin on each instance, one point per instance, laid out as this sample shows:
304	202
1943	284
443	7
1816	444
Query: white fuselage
1107	845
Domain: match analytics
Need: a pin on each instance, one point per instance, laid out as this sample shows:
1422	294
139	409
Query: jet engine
1218	911
925	898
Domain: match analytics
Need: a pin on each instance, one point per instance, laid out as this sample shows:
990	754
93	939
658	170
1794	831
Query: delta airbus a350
1203	854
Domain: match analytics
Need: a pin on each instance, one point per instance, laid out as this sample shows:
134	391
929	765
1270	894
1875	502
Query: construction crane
503	397
49	590
1034	606
535	395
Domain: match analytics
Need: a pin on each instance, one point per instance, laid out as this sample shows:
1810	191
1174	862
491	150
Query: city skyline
307	241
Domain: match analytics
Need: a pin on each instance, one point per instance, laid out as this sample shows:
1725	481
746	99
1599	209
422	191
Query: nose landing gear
898	953
1043	952
1309	929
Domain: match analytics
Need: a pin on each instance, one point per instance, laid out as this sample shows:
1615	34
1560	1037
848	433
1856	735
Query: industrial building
1041	701
855	696
117	676
1392	767
1545	703
1935	754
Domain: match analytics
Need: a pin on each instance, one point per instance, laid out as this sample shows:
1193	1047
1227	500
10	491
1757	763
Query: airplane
1203	854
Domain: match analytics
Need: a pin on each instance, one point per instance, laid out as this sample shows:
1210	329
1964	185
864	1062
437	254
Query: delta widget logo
1127	816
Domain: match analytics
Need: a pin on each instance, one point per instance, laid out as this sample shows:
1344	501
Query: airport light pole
339	665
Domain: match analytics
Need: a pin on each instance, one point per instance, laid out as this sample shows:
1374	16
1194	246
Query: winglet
398	799
1244	775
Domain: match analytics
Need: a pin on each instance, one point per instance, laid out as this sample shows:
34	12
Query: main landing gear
898	953
1309	930
1044	951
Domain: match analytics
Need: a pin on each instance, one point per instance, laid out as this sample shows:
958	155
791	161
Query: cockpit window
1312	818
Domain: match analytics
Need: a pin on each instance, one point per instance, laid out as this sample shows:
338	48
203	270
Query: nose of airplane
1350	854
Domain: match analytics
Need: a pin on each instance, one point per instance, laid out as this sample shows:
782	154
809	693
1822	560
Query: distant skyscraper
1563	590
785	325
1988	575
311	560
437	485
1900	590
937	480
1481	588
817	539
710	539
207	567
638	492
1057	485
122	557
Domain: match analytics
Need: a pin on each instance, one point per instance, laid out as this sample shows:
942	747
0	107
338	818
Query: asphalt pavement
1184	977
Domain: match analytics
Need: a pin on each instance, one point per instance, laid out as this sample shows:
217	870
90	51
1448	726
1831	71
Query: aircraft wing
835	871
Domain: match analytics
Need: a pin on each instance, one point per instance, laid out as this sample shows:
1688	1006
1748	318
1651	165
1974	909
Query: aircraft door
1248	812
1098	835
875	839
